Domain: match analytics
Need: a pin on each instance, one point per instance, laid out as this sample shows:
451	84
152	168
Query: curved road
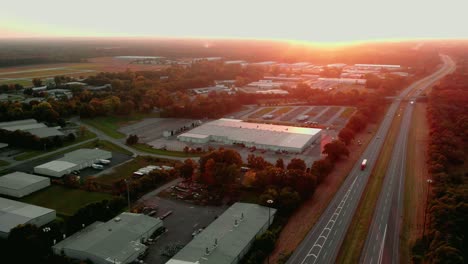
383	240
323	242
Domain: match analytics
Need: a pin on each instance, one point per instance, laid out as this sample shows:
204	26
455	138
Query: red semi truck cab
363	164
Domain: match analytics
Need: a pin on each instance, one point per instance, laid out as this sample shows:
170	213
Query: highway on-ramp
323	242
383	240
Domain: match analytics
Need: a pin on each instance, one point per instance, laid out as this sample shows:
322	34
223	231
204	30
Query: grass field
126	170
355	238
110	124
148	149
262	112
347	112
4	163
415	182
65	201
33	153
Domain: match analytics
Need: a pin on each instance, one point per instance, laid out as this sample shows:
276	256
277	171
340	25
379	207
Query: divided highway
383	240
323	242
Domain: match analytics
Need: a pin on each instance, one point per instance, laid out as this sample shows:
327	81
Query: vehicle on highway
412	102
363	164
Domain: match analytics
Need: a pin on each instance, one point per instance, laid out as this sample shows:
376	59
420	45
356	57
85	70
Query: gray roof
84	155
32	126
45	132
117	239
14	213
231	240
19	180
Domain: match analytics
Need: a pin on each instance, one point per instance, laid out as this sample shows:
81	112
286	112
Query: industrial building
32	126
119	241
75	160
14	213
228	238
262	136
19	184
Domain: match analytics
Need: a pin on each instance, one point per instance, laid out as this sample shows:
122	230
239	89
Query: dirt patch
305	217
415	185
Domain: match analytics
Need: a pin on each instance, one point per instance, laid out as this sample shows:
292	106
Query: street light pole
128	194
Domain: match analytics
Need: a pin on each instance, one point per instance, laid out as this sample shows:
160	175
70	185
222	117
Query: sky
327	21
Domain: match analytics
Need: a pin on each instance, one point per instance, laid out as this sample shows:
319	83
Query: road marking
382	246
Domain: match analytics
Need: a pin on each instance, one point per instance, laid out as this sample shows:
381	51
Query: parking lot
184	220
335	116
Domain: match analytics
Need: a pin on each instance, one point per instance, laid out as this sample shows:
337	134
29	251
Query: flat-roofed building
14	213
229	237
32	126
19	184
75	160
119	240
262	136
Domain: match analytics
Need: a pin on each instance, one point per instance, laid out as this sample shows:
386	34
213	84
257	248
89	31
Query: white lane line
382	246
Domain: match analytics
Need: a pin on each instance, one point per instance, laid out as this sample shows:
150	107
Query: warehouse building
262	136
75	160
14	213
32	126
120	240
228	238
19	184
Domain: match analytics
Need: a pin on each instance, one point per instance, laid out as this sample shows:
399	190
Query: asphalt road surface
383	240
323	242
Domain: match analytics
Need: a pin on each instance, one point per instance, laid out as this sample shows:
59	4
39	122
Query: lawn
25	83
415	182
148	149
126	170
34	153
262	112
356	237
110	124
64	200
4	163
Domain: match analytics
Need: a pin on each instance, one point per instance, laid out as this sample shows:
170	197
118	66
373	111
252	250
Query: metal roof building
117	241
228	238
14	213
75	160
19	184
263	136
32	126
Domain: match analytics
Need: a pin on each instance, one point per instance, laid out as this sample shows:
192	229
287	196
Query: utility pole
128	194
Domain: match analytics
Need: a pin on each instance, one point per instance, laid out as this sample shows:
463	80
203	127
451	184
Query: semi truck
363	164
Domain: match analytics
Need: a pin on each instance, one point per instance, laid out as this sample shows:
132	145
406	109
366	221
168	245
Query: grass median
356	236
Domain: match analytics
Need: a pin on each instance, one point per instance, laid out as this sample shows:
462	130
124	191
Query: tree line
446	230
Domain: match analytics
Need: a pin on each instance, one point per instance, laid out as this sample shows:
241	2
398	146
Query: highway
383	240
323	242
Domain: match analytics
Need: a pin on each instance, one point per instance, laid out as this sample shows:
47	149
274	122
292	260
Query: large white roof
13	213
19	180
265	134
57	165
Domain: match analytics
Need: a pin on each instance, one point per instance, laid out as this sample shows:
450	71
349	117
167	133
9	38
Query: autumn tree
335	150
297	164
187	169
